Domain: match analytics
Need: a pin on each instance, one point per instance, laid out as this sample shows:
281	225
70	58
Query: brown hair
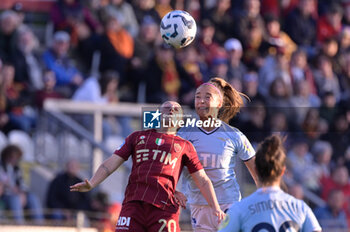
8	152
270	159
232	99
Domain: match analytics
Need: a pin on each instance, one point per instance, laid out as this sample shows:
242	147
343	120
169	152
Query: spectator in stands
303	100
116	45
272	7
251	44
222	19
255	127
310	125
16	196
236	68
346	16
67	14
302	165
8	35
104	90
145	45
275	66
60	199
332	217
322	152
339	179
219	68
27	61
300	71
279	95
163	7
18	101
297	191
247	18
330	25
330	48
276	38
128	14
146	8
18	9
4	118
300	25
48	91
68	77
278	122
344	79
344	39
250	87
347	158
206	43
165	78
193	63
328	109
339	136
326	79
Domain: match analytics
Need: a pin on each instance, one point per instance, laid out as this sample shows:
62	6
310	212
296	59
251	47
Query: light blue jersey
272	210
217	150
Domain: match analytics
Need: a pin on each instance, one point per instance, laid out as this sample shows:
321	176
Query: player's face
172	110
207	101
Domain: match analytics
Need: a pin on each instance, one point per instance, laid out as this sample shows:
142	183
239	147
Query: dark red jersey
157	163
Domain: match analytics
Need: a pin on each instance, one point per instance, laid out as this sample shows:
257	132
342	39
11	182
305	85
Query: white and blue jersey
271	210
217	151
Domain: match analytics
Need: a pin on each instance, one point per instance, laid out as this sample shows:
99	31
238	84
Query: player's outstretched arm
206	187
105	169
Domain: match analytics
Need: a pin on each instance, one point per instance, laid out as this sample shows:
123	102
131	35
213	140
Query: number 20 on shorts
171	223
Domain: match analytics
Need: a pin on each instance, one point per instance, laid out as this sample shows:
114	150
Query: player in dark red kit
158	157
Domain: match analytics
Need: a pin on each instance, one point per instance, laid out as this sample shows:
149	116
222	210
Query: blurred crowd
290	57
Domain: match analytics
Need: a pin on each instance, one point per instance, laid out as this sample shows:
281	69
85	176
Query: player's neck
168	131
208	128
276	183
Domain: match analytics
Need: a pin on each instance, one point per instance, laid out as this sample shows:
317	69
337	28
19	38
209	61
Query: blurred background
74	76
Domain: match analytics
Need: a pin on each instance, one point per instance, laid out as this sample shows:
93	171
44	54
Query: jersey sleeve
190	159
245	148
231	223
127	147
311	223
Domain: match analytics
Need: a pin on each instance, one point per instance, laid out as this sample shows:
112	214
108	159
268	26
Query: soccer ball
178	28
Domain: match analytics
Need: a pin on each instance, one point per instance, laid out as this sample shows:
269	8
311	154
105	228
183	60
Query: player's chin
202	112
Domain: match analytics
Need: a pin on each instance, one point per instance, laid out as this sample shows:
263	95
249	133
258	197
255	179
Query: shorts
140	216
203	218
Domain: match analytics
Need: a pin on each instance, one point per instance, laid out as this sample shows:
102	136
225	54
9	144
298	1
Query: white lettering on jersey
144	155
212	160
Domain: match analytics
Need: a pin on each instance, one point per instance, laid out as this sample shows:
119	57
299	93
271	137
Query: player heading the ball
158	158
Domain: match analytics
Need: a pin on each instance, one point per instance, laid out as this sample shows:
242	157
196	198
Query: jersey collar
269	189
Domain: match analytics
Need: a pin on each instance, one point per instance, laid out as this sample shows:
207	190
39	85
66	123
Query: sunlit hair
232	99
270	159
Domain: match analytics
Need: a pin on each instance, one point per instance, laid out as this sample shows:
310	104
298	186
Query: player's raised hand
181	199
220	214
81	187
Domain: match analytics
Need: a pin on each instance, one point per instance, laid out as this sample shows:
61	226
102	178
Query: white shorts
203	218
